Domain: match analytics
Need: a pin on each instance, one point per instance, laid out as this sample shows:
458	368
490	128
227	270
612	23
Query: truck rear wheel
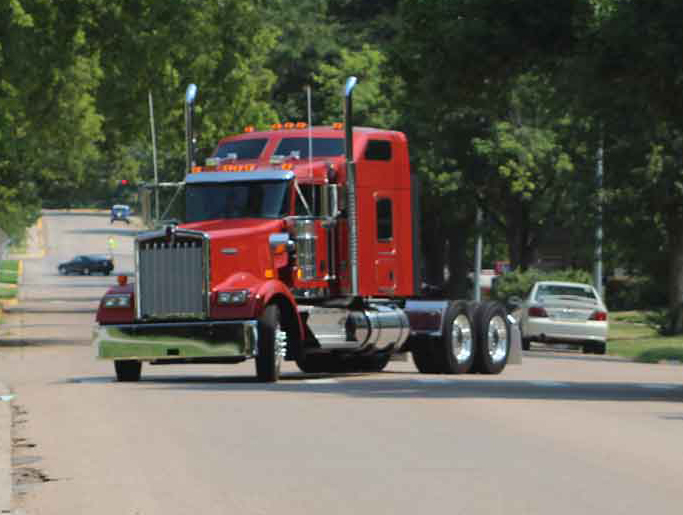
271	346
455	350
127	370
493	330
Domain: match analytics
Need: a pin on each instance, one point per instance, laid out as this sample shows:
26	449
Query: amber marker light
301	125
287	166
122	280
196	169
276	126
289	125
269	274
337	125
249	128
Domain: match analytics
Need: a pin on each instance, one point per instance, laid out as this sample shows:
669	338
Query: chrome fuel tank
378	327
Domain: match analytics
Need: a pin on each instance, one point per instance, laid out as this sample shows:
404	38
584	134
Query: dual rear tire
476	338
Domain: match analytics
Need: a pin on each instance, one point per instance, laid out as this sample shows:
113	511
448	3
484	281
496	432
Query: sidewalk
35	249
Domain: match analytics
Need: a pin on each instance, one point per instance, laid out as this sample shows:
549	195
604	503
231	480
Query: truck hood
239	247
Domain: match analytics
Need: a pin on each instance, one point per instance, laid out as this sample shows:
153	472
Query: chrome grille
172	277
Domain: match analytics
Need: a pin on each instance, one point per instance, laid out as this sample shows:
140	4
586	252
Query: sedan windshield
248	199
562	290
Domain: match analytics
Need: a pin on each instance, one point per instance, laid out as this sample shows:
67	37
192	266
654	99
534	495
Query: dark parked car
120	212
85	265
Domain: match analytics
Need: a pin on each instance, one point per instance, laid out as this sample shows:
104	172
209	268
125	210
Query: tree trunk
457	259
434	246
675	230
518	236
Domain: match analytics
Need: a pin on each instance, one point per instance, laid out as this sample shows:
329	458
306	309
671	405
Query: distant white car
563	312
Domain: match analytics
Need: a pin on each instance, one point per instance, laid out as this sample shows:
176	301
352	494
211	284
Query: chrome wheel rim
461	338
280	345
497	339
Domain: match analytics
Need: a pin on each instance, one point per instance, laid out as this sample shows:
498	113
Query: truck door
386	262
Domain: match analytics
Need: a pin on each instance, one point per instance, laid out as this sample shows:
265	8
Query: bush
637	292
518	284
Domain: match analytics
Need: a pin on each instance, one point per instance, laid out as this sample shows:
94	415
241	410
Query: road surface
561	433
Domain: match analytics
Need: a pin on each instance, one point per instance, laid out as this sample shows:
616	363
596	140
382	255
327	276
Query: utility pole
597	270
154	156
477	258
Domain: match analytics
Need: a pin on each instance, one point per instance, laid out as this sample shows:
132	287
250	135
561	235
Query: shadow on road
61	213
109	231
427	387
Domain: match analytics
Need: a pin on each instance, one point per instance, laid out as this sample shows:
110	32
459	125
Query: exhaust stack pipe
351	179
190	95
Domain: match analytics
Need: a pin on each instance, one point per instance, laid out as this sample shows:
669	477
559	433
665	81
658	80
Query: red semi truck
298	243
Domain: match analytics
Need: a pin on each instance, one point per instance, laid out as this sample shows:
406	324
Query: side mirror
330	201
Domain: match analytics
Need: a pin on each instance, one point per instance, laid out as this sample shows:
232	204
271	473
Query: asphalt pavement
35	249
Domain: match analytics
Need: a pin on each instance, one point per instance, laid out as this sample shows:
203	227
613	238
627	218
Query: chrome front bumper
177	341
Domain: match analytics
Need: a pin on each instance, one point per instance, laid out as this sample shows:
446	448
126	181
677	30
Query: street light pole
154	156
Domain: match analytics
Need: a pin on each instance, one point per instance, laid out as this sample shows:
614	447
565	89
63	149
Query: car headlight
232	298
116	300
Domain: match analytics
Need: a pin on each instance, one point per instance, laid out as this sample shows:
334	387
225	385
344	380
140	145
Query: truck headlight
232	298
116	300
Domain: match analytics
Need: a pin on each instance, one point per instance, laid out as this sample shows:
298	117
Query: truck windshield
241	149
322	147
248	199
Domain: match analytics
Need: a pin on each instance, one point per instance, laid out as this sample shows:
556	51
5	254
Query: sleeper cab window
378	150
384	227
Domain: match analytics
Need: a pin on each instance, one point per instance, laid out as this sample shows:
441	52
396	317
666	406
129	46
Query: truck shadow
383	386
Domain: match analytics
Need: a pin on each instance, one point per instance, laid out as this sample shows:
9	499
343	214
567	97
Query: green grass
631	338
7	293
9	271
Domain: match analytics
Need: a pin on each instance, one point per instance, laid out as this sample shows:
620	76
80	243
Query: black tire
588	348
128	370
493	331
61	270
424	356
456	349
600	348
371	363
318	363
107	272
272	345
526	344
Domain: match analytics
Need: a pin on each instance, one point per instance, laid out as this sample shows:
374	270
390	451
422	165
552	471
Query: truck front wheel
271	346
127	370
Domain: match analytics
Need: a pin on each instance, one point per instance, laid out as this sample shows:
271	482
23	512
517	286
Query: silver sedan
565	313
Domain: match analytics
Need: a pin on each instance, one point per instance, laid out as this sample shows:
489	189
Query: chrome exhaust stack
190	96
351	180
